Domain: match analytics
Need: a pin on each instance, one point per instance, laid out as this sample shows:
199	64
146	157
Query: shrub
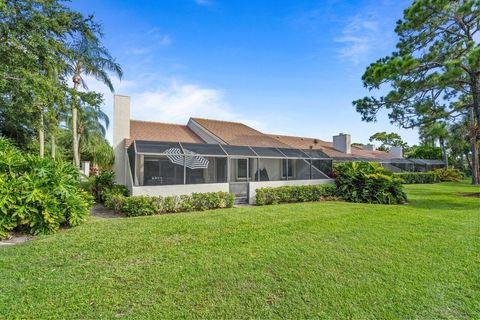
452	175
212	200
145	205
101	183
116	189
140	206
114	201
418	177
38	195
368	182
266	196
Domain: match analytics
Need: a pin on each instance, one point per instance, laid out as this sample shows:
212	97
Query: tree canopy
434	74
37	45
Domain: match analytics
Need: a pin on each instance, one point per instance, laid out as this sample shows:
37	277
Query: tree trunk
444	152
41	135
462	163
475	122
474	145
467	158
53	147
76	156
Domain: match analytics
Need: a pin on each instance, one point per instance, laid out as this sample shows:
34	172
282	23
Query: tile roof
236	133
158	131
327	147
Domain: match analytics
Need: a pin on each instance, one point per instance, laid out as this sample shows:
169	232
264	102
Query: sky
286	67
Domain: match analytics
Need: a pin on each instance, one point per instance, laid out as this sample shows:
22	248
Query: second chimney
396	152
369	147
342	143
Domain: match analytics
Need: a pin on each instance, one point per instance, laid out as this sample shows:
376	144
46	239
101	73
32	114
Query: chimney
342	143
397	152
369	147
121	131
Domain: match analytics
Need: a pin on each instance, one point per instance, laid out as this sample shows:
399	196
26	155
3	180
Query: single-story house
154	158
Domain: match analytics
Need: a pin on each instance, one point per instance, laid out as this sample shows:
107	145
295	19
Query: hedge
146	205
418	177
368	182
266	196
450	175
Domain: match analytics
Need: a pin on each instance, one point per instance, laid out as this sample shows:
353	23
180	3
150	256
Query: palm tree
88	58
437	131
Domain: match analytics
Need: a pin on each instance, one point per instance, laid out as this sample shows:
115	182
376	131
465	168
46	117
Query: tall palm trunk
41	135
76	155
53	149
444	151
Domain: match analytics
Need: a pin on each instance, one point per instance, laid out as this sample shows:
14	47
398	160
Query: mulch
99	210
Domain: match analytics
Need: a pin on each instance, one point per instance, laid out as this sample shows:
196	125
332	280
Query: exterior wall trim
179	189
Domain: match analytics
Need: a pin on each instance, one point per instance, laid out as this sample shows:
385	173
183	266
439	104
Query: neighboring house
154	158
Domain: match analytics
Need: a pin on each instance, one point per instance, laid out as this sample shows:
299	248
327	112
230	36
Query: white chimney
342	143
121	131
396	152
369	147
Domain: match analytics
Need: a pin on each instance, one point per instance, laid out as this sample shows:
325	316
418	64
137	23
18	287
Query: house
154	158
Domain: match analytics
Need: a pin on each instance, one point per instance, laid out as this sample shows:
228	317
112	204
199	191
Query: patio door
239	177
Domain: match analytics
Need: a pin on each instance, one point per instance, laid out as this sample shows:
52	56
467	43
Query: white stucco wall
252	190
121	131
176	190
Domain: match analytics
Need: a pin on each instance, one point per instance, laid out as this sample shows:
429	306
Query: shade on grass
330	260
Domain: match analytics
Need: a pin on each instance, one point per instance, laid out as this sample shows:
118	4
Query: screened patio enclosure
155	163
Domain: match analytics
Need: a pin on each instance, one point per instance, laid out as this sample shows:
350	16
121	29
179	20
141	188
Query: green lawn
313	260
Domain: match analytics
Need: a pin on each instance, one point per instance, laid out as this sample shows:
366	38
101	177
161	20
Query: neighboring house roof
327	147
158	131
236	133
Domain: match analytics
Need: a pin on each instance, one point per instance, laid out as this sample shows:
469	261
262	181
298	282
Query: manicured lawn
313	260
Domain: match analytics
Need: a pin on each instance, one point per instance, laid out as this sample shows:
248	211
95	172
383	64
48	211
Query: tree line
46	52
432	80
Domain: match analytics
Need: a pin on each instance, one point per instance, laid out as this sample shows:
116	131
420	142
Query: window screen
268	152
238	151
203	149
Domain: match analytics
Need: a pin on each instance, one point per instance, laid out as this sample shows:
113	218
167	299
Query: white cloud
177	102
173	101
359	38
159	37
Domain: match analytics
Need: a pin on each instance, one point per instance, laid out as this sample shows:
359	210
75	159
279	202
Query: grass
311	260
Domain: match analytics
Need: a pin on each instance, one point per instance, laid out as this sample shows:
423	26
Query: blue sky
288	67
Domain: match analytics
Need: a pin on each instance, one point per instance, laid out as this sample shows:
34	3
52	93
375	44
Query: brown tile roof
236	133
158	131
327	147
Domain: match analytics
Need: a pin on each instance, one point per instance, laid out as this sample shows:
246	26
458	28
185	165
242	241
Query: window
287	167
242	169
